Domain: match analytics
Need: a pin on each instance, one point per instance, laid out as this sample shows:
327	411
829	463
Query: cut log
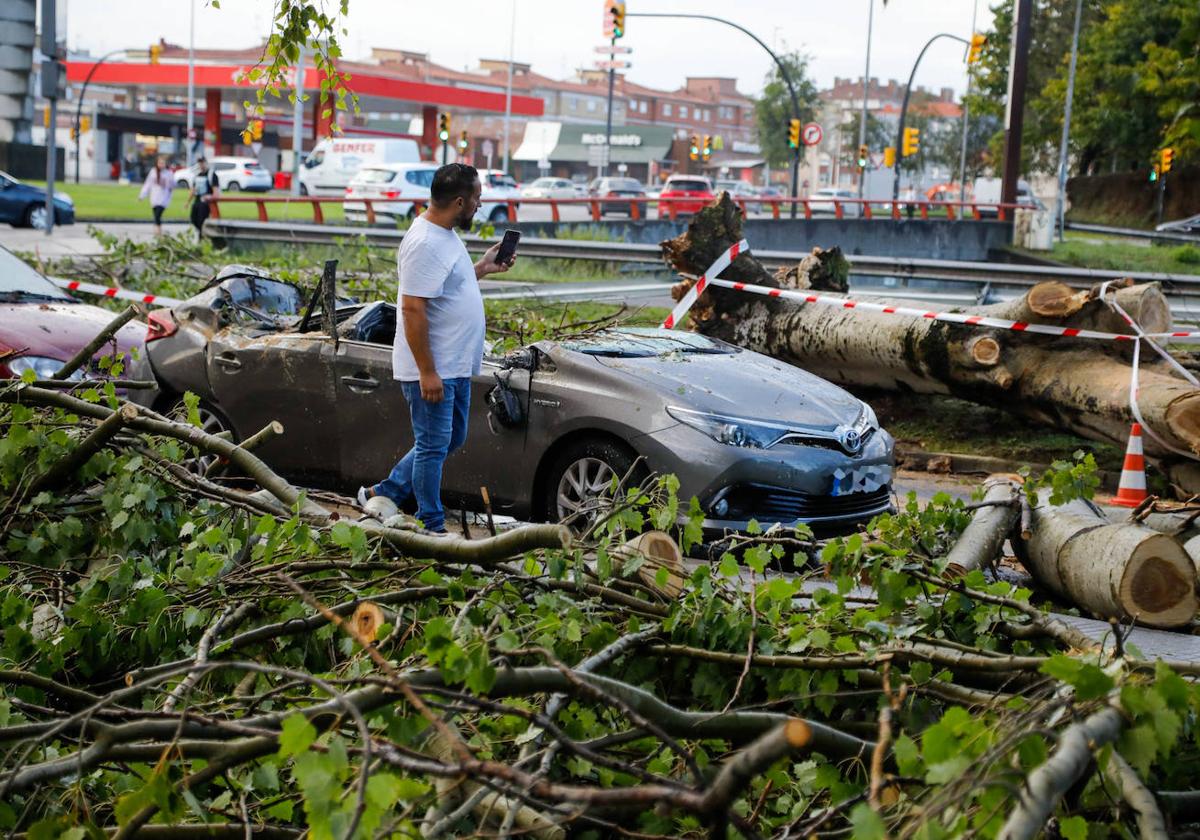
983	538
1122	571
1082	386
659	551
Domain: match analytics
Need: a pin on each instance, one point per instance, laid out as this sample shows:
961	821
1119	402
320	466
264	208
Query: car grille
775	504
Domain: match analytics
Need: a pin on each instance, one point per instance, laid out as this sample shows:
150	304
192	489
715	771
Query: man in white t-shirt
439	339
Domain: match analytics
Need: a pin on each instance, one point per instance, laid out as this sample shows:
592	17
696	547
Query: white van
333	163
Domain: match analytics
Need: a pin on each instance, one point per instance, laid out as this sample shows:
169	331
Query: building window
666	109
591	104
572	103
683	112
642	106
707	115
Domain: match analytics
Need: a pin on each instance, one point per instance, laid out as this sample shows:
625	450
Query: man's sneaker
364	493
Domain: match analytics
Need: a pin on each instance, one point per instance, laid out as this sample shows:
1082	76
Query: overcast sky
558	36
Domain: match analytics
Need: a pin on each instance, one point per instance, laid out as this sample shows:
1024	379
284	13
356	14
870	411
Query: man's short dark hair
451	181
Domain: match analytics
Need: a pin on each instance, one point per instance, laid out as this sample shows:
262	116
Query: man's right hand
431	387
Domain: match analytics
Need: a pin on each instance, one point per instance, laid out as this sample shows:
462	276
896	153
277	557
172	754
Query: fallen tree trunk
1065	382
983	538
1117	571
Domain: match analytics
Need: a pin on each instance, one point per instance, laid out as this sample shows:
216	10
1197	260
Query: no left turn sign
811	135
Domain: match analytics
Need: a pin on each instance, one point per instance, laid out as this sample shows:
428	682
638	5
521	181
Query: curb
956	463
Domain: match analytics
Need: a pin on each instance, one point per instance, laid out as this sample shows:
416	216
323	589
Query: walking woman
159	184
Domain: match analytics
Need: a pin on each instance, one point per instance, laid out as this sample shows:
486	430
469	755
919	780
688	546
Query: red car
688	194
42	327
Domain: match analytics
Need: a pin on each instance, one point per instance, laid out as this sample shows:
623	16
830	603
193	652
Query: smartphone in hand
508	247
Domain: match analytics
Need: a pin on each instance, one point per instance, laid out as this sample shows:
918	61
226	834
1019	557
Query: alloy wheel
38	217
582	488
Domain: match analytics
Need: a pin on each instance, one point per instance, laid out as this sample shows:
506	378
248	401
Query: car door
285	377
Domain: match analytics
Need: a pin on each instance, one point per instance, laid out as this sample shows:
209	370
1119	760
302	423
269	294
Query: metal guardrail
639	208
1134	233
896	267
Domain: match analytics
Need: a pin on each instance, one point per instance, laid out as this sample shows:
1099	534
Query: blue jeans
438	429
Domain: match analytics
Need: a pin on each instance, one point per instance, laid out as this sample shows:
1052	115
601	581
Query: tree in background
773	108
878	136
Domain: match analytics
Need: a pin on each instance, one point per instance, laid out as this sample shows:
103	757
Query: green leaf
867	824
1073	828
296	735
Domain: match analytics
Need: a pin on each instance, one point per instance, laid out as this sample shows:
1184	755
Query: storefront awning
540	140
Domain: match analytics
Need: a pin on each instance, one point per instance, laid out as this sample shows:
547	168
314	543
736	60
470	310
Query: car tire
181	184
35	216
234	186
498	215
212	421
582	474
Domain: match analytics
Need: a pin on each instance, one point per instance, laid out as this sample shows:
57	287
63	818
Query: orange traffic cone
1131	492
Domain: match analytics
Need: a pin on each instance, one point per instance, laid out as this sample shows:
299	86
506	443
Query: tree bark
1065	382
1112	571
983	538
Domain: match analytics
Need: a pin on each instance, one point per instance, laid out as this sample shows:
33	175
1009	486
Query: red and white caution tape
112	292
720	264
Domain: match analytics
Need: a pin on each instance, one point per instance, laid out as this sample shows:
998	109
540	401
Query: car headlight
867	421
42	367
64	198
732	431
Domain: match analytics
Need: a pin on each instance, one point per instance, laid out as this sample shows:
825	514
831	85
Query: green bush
1187	254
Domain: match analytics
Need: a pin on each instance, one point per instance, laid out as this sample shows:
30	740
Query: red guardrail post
370	211
262	210
214	207
595	210
924	211
866	208
1001	212
554	216
837	209
895	209
741	203
975	212
510	209
318	215
807	209
950	211
774	209
634	212
672	211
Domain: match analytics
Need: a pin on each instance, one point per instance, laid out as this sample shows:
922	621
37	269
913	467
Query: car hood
59	330
744	384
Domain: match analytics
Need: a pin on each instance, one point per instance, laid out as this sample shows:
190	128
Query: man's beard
464	221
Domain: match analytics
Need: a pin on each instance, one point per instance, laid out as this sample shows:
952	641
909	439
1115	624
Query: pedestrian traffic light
443	127
976	48
1164	160
463	141
155	53
694	149
912	141
863	152
793	134
706	148
889	156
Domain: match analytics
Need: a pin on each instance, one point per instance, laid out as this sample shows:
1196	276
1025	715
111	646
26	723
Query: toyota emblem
851	440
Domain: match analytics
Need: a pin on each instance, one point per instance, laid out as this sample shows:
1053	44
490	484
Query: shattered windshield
263	299
634	342
19	281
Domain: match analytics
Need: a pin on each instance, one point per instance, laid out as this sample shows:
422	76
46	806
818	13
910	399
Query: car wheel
579	484
181	184
36	216
212	422
498	215
234	186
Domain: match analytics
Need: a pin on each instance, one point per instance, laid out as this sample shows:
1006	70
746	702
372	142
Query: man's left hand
488	265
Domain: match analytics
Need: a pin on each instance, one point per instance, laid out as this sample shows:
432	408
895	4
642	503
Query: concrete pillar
212	120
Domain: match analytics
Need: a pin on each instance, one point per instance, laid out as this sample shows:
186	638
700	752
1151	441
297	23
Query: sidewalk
73	240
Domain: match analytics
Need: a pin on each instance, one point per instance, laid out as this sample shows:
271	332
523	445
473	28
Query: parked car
397	184
822	202
24	205
689	193
233	174
1189	226
749	436
550	188
625	188
42	328
741	191
402	184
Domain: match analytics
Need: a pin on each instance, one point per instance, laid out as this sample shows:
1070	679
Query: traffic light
155	53
463	141
1153	173
443	127
706	148
976	48
85	124
1164	160
694	149
618	16
863	152
793	134
912	141
889	156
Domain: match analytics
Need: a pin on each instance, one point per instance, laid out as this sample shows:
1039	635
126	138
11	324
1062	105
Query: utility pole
1060	204
50	71
512	35
962	160
1014	111
862	120
612	72
191	94
298	119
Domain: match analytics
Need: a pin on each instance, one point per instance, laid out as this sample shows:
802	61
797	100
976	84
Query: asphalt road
73	240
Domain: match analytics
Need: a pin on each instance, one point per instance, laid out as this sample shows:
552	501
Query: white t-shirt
434	264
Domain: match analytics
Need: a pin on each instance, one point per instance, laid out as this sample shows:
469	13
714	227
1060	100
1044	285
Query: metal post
904	109
1014	112
50	70
1060	204
1162	191
962	161
79	105
512	34
862	119
612	72
191	94
298	120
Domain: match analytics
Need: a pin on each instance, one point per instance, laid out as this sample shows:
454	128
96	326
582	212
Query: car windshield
501	181
420	177
689	186
635	342
375	176
624	184
263	299
543	182
19	281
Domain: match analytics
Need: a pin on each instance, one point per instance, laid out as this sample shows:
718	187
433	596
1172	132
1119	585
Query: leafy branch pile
185	658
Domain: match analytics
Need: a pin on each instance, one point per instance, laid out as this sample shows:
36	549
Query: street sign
488	148
811	134
614	49
612	65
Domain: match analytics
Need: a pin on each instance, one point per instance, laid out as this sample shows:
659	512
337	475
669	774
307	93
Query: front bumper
822	487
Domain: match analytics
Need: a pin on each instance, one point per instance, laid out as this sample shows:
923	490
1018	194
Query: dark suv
626	188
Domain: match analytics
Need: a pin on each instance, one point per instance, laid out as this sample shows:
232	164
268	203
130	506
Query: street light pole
1060	203
191	94
512	35
904	108
79	105
962	161
862	120
298	119
787	80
